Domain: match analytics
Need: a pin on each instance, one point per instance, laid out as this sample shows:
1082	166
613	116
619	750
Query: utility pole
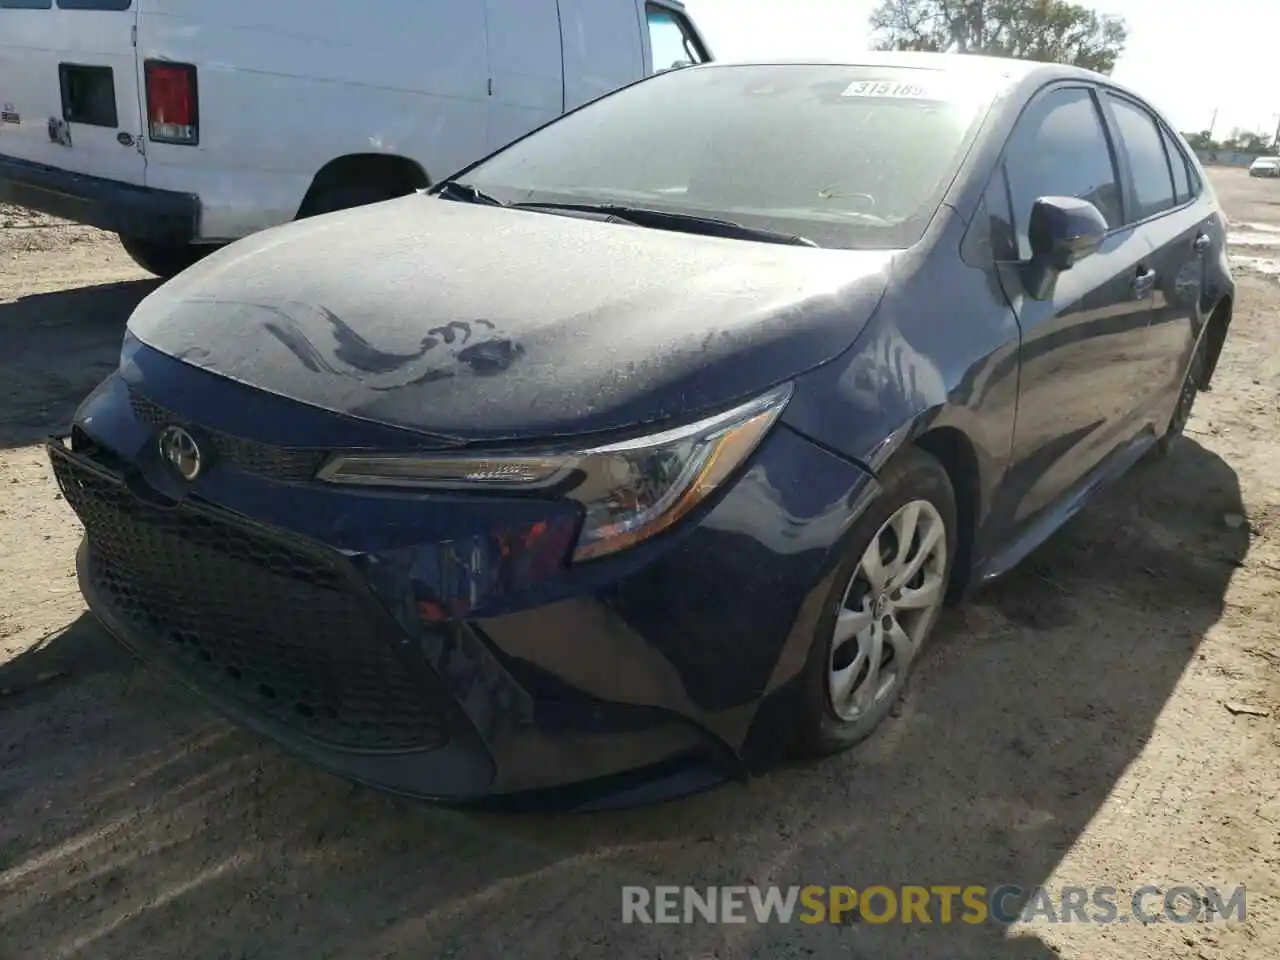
1213	122
1275	144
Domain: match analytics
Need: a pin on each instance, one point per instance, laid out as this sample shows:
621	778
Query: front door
69	86
1076	385
526	82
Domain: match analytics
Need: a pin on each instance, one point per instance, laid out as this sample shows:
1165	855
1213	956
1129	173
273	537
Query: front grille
274	624
279	463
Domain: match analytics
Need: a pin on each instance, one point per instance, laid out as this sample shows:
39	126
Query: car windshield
851	157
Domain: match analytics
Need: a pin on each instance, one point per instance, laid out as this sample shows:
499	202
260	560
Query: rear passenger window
1144	145
25	4
672	41
1060	149
1196	183
1181	170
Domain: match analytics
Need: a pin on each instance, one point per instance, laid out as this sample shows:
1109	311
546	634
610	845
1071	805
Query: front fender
927	362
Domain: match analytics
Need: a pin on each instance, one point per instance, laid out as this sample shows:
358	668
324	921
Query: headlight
629	491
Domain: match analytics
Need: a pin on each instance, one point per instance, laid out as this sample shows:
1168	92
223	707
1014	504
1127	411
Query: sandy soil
1070	726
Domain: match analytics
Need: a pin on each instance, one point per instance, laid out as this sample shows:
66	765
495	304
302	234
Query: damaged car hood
484	323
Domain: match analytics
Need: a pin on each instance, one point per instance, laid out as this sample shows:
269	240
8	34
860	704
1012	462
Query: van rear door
602	48
526	80
69	86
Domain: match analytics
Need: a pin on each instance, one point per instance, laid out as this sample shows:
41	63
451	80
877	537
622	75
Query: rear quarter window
1182	189
25	4
95	4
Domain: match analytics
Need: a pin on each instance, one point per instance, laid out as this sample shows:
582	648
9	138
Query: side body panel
1050	398
288	86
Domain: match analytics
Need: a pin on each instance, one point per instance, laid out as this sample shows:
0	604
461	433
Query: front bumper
162	216
368	634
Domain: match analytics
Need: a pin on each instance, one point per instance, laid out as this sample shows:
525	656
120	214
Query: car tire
1186	397
165	260
333	199
913	486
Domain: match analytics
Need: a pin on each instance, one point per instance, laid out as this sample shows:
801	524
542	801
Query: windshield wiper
455	190
691	223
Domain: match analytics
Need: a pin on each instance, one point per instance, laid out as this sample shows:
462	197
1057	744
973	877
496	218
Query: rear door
69	86
526	80
1165	208
1076	386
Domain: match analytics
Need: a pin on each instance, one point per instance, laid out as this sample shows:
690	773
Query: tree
1052	31
1200	141
1233	142
1250	142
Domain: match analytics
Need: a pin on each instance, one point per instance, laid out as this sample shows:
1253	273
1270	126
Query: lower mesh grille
258	618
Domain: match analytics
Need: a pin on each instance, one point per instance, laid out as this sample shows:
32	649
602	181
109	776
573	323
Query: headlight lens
629	491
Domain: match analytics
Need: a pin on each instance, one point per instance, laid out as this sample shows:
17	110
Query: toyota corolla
645	452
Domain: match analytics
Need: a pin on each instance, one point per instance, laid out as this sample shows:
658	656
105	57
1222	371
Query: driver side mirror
1063	231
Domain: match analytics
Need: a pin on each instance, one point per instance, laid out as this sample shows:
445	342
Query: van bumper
163	216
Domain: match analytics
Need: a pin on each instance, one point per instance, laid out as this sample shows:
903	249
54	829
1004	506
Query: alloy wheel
891	601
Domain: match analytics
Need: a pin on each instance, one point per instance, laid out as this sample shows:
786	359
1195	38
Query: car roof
1006	76
955	63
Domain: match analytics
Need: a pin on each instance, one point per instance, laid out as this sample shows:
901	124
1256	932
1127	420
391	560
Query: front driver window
1060	149
672	41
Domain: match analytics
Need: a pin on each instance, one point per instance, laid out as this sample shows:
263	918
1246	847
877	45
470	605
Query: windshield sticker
888	89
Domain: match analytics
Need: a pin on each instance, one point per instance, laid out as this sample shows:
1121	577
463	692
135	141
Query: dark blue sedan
645	452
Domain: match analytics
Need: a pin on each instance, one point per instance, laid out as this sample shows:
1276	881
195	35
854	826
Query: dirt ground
1069	727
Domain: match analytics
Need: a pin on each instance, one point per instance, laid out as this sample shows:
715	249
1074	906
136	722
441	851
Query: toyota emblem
180	450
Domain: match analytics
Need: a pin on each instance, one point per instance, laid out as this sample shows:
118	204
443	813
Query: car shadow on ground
170	834
57	348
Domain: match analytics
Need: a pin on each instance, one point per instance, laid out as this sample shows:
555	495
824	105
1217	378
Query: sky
1187	57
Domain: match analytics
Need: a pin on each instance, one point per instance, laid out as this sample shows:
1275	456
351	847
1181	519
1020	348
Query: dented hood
485	323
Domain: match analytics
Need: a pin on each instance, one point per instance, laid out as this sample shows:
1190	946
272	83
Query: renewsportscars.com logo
1005	904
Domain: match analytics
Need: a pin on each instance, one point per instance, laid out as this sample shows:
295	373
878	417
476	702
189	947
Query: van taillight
173	102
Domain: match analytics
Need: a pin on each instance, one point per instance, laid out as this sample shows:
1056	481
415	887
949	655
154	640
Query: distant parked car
657	439
1265	167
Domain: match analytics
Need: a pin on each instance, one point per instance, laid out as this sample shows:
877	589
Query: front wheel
165	260
886	598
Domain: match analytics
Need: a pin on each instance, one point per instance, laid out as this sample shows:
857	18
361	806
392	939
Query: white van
185	124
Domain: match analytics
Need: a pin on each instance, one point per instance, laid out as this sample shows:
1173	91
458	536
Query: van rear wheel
333	199
165	260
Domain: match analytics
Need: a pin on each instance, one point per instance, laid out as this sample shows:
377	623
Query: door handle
1144	283
1202	243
